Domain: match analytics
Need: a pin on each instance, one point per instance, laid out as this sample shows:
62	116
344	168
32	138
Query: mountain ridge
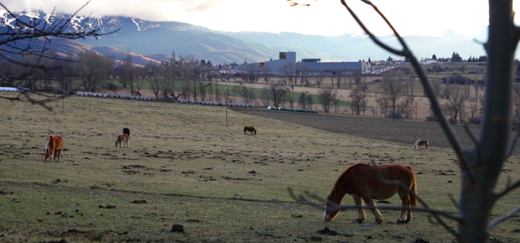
150	38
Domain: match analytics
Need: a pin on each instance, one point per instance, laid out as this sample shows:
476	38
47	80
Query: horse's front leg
379	217
361	212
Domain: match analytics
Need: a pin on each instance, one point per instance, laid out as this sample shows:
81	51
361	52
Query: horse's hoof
359	221
400	221
378	221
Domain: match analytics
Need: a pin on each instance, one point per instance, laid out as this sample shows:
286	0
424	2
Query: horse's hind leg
57	154
379	217
361	212
406	215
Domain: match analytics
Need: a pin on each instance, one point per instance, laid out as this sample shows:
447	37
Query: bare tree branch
512	146
502	218
406	52
508	189
336	207
19	37
453	200
474	140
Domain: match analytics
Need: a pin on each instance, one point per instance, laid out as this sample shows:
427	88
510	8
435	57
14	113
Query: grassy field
185	167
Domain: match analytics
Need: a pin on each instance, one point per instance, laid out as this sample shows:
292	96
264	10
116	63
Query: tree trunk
477	198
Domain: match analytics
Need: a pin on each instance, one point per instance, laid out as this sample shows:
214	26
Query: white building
286	64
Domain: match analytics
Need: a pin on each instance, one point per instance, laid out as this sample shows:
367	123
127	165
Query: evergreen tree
455	57
434	57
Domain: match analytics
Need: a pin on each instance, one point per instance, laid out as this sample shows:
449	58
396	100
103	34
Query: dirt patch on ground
401	131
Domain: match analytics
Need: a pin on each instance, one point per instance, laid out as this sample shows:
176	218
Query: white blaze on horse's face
326	217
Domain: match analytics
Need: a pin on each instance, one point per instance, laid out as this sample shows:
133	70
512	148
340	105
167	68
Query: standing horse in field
123	138
421	143
251	130
363	181
53	145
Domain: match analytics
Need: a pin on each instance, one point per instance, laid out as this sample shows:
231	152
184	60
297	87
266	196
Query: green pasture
185	166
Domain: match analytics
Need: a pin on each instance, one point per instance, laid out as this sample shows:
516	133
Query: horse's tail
254	130
47	141
416	144
413	196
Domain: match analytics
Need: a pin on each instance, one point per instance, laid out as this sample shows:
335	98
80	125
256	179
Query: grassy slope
189	166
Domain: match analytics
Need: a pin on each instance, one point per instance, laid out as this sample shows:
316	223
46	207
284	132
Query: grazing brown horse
363	181
53	145
123	138
421	143
252	130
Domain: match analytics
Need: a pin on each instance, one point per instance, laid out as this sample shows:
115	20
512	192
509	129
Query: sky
322	17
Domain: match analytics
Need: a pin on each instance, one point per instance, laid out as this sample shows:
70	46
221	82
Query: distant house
429	61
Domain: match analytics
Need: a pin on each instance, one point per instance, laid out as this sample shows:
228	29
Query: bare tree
277	92
436	87
393	85
154	78
383	104
326	98
309	102
482	164
253	72
319	79
357	101
406	106
302	101
127	72
455	99
26	37
247	93
93	69
265	72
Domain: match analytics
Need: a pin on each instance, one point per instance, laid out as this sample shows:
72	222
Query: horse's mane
47	141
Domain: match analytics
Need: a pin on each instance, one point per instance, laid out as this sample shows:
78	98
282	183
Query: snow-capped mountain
152	38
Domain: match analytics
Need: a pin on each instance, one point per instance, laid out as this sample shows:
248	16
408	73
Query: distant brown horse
363	181
421	143
251	130
53	145
123	138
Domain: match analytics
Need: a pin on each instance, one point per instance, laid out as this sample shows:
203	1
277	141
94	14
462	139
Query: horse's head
330	215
